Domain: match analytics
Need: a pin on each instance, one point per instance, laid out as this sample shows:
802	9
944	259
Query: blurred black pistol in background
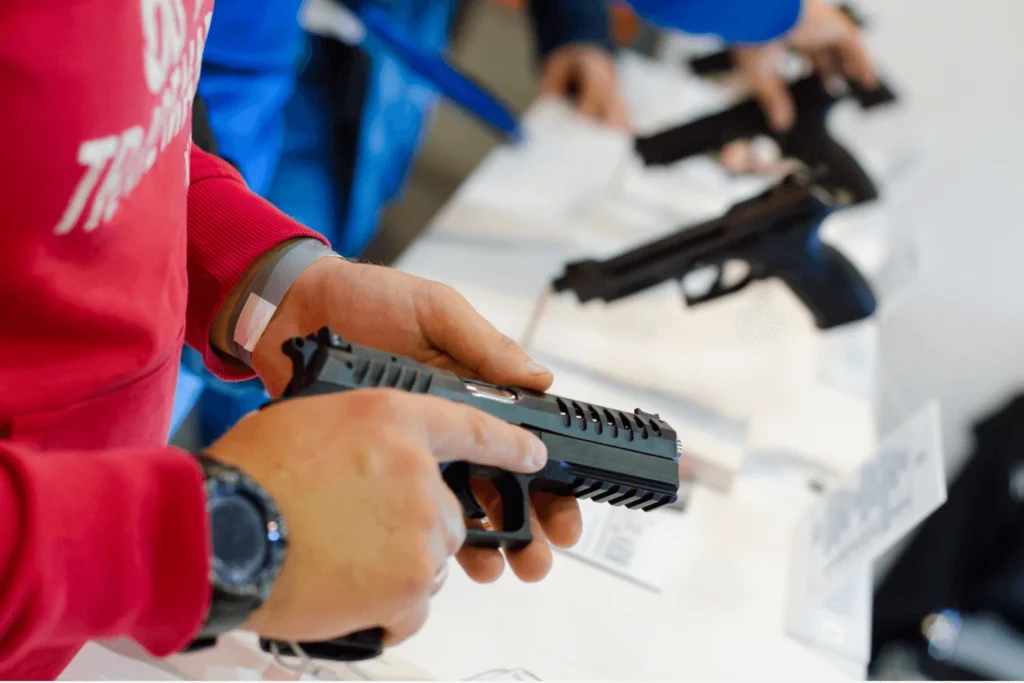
809	141
775	233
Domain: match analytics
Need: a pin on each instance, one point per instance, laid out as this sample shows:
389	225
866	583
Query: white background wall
959	335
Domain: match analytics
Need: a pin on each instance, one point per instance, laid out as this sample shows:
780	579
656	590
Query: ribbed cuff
229	228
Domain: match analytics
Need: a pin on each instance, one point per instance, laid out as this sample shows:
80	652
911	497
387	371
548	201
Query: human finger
592	96
557	75
408	624
616	112
560	518
760	65
454	431
483	565
532	563
737	157
825	62
456	329
856	64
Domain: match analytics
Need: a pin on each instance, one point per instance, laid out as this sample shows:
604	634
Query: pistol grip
355	647
831	287
514	491
831	165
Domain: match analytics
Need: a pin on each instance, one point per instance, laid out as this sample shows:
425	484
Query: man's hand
586	74
831	40
828	37
387	309
396	312
371	522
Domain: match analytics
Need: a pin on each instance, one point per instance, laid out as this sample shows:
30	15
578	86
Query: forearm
220	331
230	231
560	22
100	544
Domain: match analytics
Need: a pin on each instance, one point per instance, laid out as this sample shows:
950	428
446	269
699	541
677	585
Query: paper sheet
842	622
869	510
641	547
857	520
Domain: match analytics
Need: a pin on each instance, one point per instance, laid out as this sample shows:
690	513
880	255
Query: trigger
456	475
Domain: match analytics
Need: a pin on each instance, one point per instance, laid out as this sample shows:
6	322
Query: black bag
969	555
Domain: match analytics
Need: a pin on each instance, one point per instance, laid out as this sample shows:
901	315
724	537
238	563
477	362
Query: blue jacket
252	56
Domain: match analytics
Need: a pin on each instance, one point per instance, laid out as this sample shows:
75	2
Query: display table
766	411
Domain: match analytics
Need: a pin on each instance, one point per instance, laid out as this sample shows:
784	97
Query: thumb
455	328
557	75
760	66
775	100
855	61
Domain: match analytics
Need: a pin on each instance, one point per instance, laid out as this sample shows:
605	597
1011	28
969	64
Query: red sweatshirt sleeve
229	227
73	569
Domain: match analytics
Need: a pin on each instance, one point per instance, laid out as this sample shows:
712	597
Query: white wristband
260	300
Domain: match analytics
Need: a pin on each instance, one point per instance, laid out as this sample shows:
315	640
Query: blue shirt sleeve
734	21
559	22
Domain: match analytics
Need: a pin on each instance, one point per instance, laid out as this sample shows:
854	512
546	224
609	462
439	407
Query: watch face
239	539
249	539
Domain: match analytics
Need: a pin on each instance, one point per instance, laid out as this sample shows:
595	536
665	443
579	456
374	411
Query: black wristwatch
249	540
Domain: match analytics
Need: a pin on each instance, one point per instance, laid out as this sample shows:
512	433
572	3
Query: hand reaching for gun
834	45
586	74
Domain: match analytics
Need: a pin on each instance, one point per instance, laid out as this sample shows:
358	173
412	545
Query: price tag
858	520
633	544
849	358
841	623
874	506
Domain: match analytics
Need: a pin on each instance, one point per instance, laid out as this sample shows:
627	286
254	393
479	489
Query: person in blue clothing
328	131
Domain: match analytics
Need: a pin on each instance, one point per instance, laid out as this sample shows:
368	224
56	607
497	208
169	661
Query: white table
721	614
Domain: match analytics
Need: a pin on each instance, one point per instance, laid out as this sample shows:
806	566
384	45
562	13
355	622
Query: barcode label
620	538
853	523
636	545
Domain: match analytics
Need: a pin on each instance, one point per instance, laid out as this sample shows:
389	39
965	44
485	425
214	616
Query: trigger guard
456	475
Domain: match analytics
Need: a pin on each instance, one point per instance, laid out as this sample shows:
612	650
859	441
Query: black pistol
721	62
776	233
808	141
611	456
